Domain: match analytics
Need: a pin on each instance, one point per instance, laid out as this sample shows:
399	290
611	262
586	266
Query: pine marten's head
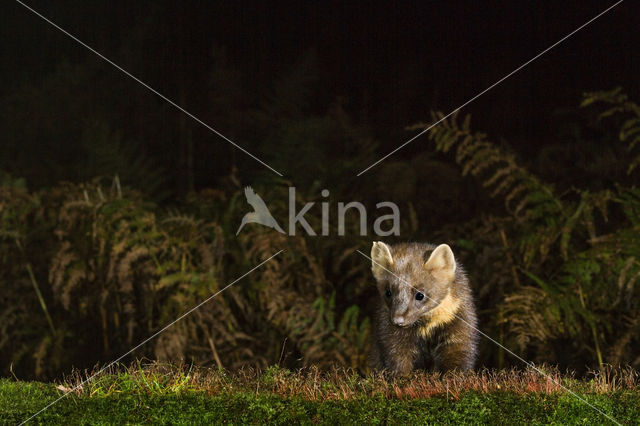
413	280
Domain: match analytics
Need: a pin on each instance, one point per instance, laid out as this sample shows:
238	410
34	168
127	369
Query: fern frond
619	104
496	169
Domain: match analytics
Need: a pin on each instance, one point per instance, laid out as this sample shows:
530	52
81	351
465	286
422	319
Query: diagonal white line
530	364
492	86
127	73
151	337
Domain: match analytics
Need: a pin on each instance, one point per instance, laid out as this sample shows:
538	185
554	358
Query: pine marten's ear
381	256
442	264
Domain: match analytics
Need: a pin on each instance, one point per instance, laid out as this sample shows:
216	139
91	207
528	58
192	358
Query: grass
180	395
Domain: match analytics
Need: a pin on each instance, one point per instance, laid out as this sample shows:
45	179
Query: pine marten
426	317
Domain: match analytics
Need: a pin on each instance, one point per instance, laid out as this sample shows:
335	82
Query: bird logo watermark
260	213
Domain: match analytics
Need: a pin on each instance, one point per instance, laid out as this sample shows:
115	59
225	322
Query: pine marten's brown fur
437	332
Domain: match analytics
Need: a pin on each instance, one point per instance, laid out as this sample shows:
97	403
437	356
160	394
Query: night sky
389	65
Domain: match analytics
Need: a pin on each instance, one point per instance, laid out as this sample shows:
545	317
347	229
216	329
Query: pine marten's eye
388	293
419	296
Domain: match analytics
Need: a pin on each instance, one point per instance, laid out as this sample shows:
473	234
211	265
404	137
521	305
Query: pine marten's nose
399	321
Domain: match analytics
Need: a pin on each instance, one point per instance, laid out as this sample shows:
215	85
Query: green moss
20	400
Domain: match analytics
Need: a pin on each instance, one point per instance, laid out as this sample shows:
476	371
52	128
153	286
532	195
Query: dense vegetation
164	394
91	269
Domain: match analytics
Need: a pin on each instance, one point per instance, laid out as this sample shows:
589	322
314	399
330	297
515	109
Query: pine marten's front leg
395	349
454	354
401	364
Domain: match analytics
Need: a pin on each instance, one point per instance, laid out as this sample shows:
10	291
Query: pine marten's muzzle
399	313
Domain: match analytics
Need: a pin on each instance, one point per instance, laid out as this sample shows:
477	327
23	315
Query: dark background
388	66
